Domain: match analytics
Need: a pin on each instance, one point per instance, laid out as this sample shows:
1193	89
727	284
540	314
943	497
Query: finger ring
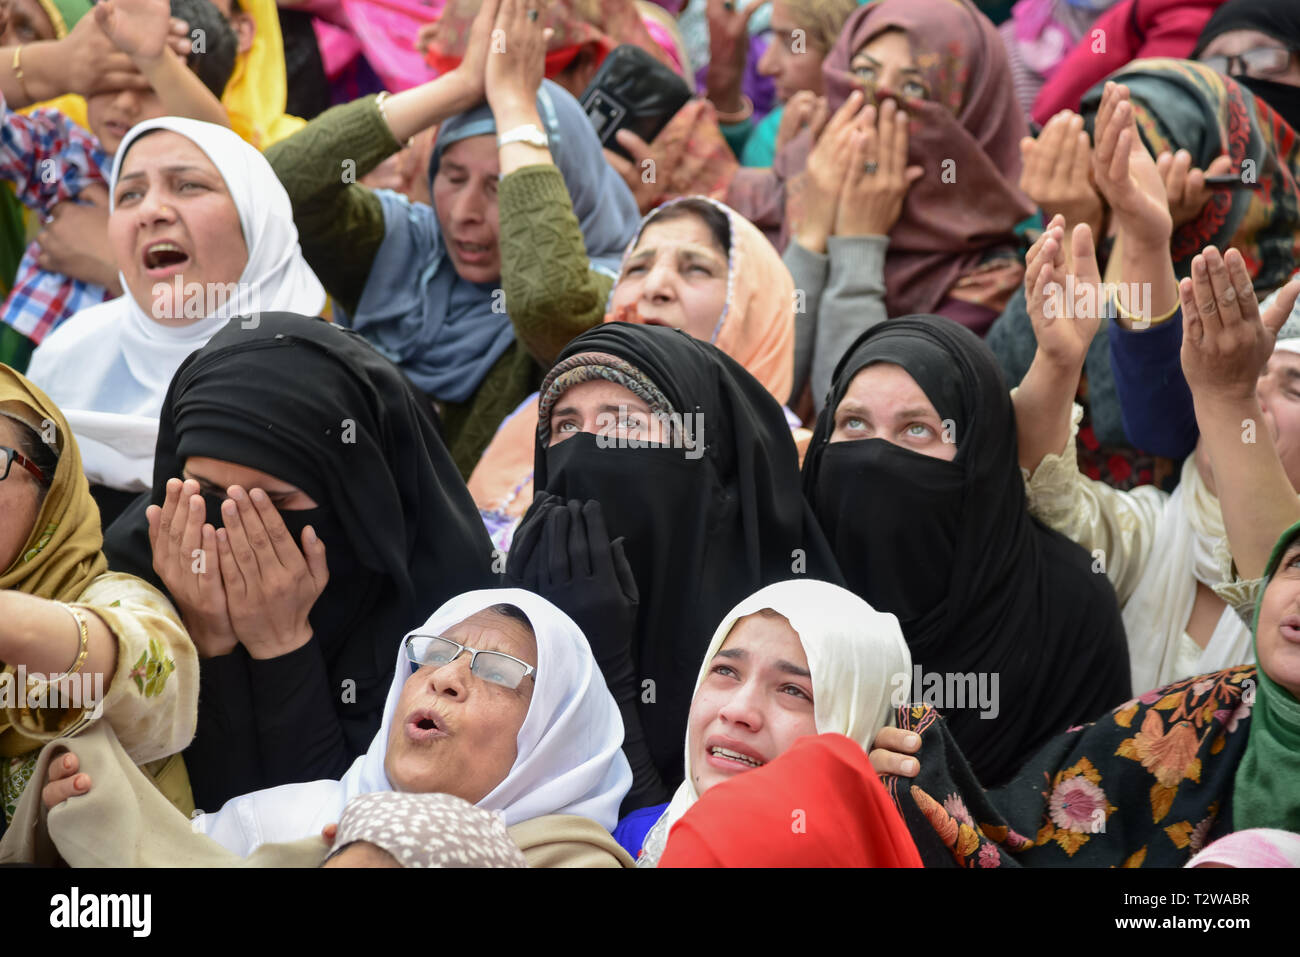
532	15
728	6
870	167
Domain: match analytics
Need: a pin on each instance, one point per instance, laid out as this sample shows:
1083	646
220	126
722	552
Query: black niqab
700	534
978	585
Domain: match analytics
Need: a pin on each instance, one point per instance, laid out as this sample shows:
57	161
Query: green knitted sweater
551	292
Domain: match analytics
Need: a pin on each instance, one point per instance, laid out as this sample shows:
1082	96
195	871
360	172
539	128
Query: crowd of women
892	462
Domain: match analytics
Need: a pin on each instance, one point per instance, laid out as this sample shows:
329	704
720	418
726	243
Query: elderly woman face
454	732
884	402
174	226
21	495
754	702
676	276
1278	637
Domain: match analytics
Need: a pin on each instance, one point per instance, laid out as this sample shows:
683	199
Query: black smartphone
632	91
1230	181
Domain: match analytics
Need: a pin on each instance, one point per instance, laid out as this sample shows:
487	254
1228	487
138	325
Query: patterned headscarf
1181	104
564	375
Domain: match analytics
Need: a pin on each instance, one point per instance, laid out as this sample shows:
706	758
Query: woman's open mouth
425	725
474	254
731	759
163	259
1290	628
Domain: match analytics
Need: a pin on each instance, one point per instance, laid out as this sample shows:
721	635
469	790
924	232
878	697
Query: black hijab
950	548
700	534
315	405
1279	19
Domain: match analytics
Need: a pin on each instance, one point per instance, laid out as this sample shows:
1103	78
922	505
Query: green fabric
1266	792
551	292
760	148
15	348
70	10
737	134
13	237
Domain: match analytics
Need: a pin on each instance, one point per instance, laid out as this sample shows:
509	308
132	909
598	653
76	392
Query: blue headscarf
441	329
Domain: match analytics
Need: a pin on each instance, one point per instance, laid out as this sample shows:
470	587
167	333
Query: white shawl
570	747
115	362
858	659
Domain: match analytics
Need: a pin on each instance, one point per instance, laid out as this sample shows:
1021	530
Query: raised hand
139	28
1227	341
1064	325
814	195
1185	186
1056	171
728	50
271	585
1126	174
516	61
469	73
803	111
877	178
185	559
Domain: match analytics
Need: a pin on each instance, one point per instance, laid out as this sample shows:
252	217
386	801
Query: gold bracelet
18	71
731	119
83	648
379	102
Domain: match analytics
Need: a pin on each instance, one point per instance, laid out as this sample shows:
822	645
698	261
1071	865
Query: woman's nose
452	678
659	285
742	709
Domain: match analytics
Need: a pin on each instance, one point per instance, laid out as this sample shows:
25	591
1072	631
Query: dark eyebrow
793	669
736	653
166	169
917	413
453	166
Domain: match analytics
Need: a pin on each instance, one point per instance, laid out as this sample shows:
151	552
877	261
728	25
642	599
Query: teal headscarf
1266	792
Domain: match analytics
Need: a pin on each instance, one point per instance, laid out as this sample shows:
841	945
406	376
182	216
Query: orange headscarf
756	329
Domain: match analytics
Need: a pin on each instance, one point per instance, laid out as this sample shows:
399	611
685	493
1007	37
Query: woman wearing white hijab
559	794
857	666
202	231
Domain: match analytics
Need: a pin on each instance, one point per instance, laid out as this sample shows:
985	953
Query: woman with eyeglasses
496	700
1257	43
113	645
304	512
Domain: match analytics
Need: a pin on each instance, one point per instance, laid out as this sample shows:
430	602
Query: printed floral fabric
1148	785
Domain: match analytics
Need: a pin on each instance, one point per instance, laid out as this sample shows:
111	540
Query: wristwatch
529	133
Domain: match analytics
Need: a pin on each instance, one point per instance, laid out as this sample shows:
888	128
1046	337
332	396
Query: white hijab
857	656
570	747
108	367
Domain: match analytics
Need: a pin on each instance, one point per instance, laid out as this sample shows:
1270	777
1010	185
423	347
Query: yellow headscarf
63	553
259	87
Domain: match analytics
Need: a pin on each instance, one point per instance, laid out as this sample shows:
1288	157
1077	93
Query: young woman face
454	732
1278	637
215	476
465	199
885	62
174	221
754	702
676	276
1263	65
604	408
885	402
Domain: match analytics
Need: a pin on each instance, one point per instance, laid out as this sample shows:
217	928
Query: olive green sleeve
340	222
552	293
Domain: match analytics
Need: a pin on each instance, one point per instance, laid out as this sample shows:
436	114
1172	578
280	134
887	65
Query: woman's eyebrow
791	668
915	413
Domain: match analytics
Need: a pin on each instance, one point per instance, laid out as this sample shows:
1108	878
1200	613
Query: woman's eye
191	186
866	73
915	90
126	196
918	431
725	670
854	424
796	692
567	427
632	270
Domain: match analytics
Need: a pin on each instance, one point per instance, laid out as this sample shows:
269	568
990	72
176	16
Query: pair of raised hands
857	175
1063	174
246	583
505	56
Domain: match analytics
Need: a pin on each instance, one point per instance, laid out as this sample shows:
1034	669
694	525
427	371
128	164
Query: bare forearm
429	104
1043	404
42	636
1254	492
40	82
181	91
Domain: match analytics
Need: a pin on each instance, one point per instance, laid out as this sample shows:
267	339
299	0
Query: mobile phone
1230	181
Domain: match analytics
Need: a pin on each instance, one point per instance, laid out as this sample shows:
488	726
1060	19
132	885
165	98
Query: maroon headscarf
968	133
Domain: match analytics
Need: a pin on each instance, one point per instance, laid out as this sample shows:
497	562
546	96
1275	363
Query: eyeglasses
9	456
1262	61
500	669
